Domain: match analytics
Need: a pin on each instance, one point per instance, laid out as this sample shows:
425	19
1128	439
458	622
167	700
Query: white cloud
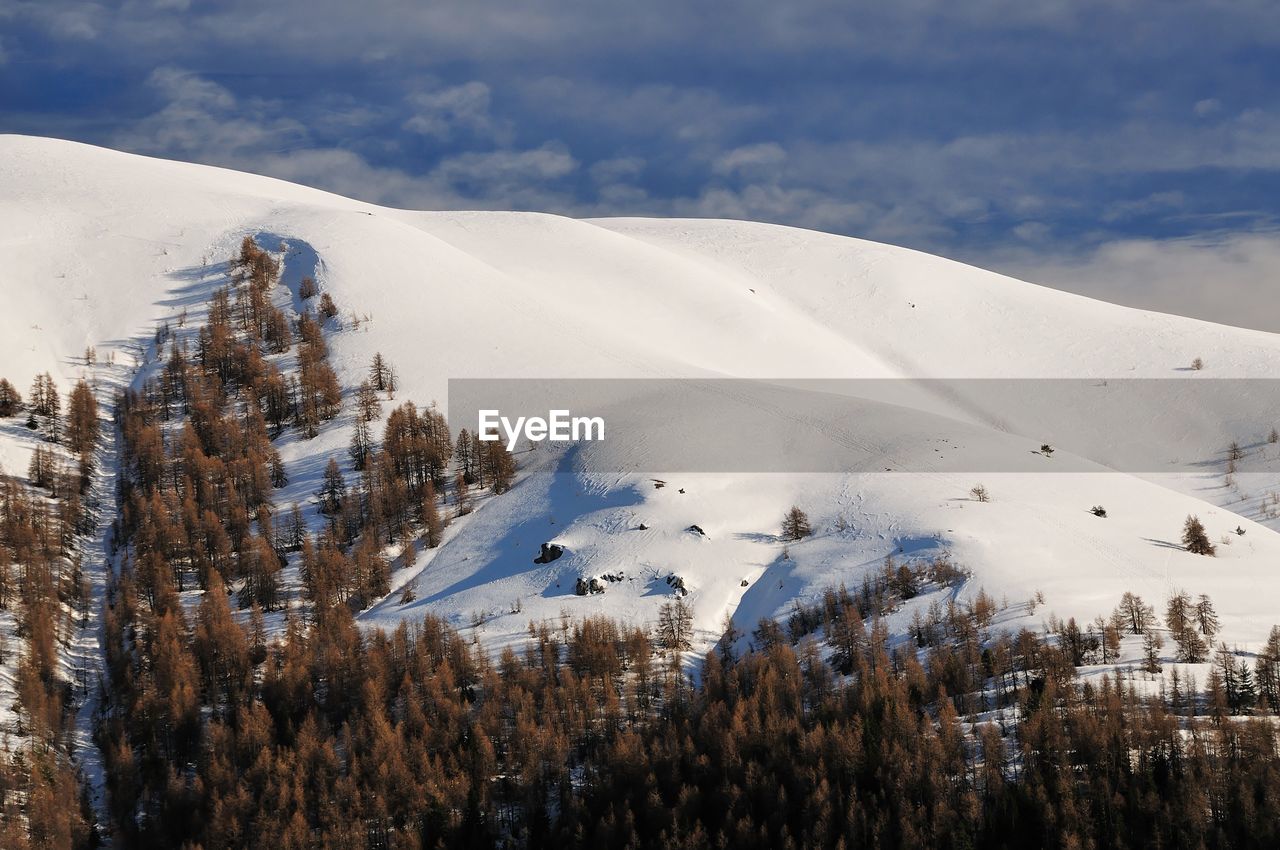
1208	106
441	113
545	163
1032	231
1229	278
203	121
883	154
79	23
749	158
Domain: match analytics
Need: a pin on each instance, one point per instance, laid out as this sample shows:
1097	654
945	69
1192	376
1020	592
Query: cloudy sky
1126	149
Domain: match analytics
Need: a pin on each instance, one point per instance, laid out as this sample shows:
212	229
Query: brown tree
10	399
1195	539
82	420
795	524
431	516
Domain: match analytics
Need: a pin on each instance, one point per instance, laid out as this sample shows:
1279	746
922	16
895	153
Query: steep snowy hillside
101	248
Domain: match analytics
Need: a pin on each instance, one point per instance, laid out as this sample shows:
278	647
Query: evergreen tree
464	456
1246	690
1151	644
1268	672
1195	539
279	478
333	492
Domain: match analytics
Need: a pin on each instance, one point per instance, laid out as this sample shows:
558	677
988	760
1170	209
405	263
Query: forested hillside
256	590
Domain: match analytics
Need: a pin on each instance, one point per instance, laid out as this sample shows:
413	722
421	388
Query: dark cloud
1070	133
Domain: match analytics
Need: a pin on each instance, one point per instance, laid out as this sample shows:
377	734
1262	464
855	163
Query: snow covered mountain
101	248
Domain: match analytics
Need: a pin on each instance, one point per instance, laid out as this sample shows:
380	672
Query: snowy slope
100	246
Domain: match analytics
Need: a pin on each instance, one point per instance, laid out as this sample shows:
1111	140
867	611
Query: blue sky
1125	149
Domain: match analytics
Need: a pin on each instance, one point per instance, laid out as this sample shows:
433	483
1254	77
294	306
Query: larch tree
675	626
378	372
431	515
361	443
333	491
82	419
10	399
464	456
1195	539
1180	619
461	496
1134	614
1206	617
795	524
1151	644
367	402
327	308
500	466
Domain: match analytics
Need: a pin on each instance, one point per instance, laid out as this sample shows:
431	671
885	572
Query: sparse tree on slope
1134	614
334	489
1151	644
1206	617
675	626
795	524
1195	539
1180	618
82	420
10	399
378	372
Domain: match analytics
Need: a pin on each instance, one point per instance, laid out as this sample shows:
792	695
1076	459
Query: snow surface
101	246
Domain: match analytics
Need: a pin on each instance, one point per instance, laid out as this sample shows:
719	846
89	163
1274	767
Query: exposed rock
550	551
586	586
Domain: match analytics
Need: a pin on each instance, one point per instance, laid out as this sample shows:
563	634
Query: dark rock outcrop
550	551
